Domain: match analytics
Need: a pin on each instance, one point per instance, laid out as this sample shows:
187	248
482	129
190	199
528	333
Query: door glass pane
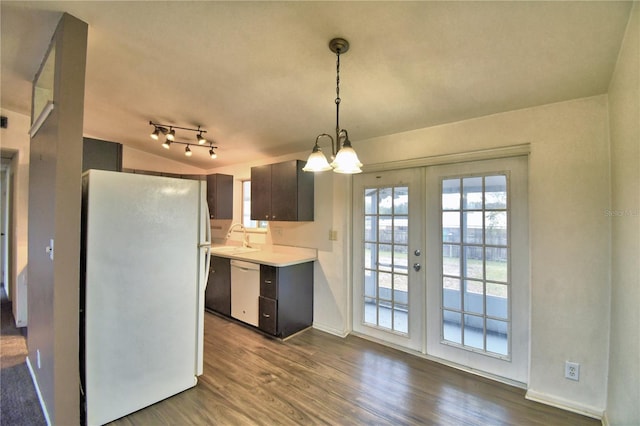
401	200
401	318
400	262
370	255
370	310
384	285
496	227
452	330
384	257
496	263
370	228
495	196
385	203
473	297
473	262
400	226
474	331
450	227
472	193
497	296
497	332
386	230
451	293
401	288
371	201
451	260
478	251
370	283
451	194
473	229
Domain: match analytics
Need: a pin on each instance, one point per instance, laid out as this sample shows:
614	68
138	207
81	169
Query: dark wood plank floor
316	378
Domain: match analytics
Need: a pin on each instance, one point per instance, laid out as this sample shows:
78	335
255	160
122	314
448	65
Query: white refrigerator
146	242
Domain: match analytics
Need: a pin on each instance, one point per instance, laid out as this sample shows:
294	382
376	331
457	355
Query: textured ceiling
259	76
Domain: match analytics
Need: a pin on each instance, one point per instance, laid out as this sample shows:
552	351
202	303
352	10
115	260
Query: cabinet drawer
267	321
268	283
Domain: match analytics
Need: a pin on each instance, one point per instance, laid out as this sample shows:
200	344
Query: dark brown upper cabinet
282	192
220	196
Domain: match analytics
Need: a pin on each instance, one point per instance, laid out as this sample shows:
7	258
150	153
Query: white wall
136	159
623	406
16	138
568	195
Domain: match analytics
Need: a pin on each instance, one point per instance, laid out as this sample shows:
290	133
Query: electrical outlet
333	235
572	370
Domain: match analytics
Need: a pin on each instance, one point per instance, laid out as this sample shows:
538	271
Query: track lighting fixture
345	159
169	131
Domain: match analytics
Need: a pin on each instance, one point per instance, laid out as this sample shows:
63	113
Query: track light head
213	154
187	151
156	133
166	144
201	139
171	134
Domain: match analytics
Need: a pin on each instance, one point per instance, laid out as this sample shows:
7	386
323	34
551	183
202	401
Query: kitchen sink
232	250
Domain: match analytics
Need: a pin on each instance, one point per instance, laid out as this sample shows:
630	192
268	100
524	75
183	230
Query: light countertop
273	255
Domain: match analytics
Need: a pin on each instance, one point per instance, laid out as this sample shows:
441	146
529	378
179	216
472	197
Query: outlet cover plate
572	370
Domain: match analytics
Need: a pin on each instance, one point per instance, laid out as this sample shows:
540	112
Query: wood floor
316	378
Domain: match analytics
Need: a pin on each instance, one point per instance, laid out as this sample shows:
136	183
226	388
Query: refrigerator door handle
203	275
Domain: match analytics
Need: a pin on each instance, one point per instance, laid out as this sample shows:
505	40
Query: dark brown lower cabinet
217	296
286	299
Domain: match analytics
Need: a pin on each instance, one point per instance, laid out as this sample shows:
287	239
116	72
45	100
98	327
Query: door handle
416	266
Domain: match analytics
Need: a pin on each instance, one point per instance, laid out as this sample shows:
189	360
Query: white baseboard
335	332
605	419
564	404
35	383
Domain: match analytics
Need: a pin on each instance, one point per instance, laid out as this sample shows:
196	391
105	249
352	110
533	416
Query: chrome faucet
245	237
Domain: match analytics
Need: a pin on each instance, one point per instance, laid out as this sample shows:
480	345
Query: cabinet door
220	196
268	282
101	155
261	192
218	291
284	191
268	321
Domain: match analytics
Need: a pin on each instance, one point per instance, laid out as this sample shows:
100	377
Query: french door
441	262
388	278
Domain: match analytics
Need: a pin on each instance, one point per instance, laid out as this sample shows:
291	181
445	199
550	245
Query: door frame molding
461	157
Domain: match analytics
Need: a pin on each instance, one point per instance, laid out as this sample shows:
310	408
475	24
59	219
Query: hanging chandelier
170	138
345	159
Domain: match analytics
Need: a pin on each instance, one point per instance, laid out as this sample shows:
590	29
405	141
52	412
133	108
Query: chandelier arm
333	147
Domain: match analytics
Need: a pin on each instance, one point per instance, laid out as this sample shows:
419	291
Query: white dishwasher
245	291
